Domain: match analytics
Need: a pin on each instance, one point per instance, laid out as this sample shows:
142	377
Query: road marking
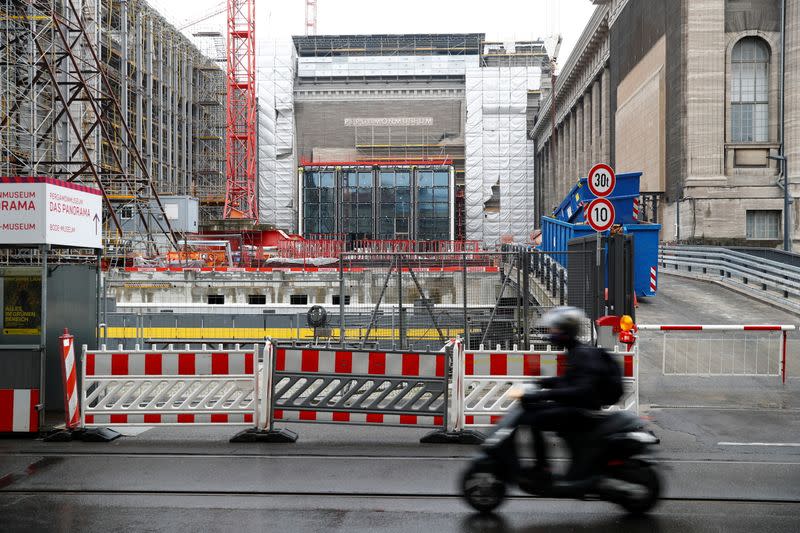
784	444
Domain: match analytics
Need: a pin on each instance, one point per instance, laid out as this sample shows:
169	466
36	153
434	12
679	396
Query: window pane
425	178
403	178
442	178
326	179
761	123
365	179
761	82
425	195
440	194
387	179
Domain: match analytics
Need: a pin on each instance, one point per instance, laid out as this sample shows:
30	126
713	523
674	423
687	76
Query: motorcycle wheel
644	475
482	488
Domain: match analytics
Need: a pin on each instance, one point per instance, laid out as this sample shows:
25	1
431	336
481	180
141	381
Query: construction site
381	183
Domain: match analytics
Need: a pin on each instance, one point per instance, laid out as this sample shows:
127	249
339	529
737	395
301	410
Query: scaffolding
499	155
277	169
107	94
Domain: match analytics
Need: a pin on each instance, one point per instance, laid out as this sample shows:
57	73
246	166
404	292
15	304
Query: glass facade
378	202
319	202
357	191
433	205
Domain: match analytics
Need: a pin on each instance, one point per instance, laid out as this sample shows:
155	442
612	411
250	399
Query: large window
750	90
764	224
394	204
319	202
433	205
357	203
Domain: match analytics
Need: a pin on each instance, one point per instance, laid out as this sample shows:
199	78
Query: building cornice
581	68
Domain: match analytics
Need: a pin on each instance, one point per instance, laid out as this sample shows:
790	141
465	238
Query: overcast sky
499	19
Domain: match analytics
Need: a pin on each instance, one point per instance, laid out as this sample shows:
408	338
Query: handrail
778	282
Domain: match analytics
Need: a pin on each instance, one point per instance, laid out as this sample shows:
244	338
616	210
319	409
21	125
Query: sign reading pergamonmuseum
40	210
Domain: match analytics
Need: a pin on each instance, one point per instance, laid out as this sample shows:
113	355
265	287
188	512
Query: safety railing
722	350
776	281
486	377
449	391
169	387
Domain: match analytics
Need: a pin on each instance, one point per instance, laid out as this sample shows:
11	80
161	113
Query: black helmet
564	323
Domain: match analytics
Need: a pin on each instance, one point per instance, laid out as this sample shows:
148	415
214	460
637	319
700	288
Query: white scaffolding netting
276	142
499	155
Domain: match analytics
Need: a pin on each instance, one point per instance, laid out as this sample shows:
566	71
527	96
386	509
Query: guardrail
777	282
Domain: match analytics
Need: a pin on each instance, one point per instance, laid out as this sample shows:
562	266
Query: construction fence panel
337	386
169	387
488	376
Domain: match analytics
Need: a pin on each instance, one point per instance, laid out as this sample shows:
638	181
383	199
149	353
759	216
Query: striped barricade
722	349
172	387
326	385
18	413
488	375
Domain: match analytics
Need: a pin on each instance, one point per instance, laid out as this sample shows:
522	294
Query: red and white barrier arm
784	328
716	327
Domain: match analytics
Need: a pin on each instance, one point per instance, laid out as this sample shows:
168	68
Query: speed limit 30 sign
601	180
600	214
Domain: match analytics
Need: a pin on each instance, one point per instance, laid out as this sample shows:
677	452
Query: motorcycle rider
565	403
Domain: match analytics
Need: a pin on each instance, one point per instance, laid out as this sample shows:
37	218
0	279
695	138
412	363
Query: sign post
42	212
600	215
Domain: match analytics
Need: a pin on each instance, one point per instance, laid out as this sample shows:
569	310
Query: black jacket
578	387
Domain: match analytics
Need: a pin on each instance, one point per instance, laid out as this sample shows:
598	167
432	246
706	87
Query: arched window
750	91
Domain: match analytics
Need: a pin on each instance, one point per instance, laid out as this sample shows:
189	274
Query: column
123	80
573	148
596	140
605	120
159	142
588	103
148	150
137	123
579	140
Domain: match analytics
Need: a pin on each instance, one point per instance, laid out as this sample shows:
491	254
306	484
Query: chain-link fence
401	300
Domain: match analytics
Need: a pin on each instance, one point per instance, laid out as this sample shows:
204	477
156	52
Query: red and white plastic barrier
69	375
487	376
298	368
723	355
172	387
18	412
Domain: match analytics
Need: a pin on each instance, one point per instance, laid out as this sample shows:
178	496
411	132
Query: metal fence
422	299
776	281
409	300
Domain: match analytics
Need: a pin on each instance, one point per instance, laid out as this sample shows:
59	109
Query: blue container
626	192
556	235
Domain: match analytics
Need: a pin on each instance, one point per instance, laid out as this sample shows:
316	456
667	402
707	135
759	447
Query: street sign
600	214
601	180
43	210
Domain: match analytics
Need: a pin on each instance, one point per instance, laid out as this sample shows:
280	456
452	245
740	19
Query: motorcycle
618	470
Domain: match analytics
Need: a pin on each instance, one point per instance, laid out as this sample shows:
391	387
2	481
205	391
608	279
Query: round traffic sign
601	180
600	214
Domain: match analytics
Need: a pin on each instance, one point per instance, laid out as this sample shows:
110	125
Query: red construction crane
240	134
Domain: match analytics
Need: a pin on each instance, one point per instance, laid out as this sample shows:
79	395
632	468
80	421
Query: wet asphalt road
381	479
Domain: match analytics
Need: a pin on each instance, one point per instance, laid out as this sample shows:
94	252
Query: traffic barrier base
463	436
82	434
273	435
